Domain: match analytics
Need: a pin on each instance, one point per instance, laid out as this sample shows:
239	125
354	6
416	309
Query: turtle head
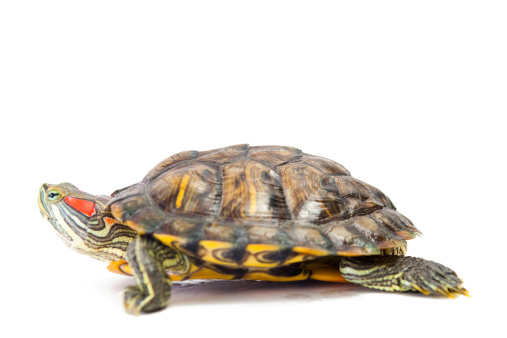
83	221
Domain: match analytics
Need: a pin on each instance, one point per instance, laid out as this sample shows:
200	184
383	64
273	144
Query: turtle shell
261	207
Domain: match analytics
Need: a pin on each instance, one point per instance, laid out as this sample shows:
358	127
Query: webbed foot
135	302
148	259
402	273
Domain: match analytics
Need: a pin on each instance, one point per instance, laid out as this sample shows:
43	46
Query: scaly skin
402	273
149	260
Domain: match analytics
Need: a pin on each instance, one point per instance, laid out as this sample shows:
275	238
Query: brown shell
261	206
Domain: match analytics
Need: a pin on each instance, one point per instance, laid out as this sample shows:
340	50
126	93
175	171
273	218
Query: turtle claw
431	278
465	292
416	288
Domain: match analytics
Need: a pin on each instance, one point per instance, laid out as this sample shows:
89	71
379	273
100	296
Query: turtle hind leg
149	259
402	273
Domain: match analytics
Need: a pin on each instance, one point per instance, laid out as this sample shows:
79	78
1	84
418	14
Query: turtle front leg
402	273
149	259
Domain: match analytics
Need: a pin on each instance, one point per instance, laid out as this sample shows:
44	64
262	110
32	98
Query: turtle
269	213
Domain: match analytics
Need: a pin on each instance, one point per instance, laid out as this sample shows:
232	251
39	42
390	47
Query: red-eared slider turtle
263	213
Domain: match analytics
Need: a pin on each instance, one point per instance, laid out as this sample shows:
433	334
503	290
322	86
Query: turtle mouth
61	232
45	214
47	217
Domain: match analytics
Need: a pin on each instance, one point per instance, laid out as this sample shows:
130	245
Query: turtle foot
402	273
431	278
136	302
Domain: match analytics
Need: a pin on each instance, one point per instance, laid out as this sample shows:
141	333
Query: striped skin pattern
150	259
261	207
84	222
395	273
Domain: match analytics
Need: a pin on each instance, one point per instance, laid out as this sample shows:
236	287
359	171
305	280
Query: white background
409	96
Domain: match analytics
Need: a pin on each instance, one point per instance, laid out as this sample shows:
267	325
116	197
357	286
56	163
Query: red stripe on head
83	206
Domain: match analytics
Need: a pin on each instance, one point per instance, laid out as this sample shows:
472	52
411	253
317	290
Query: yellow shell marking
210	247
253	249
183	186
267	277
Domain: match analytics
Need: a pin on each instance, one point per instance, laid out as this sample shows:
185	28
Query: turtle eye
53	195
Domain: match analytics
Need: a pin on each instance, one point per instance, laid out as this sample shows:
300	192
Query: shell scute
187	230
396	222
311	237
327	166
373	231
306	199
275	155
251	193
268	235
193	190
357	196
348	240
